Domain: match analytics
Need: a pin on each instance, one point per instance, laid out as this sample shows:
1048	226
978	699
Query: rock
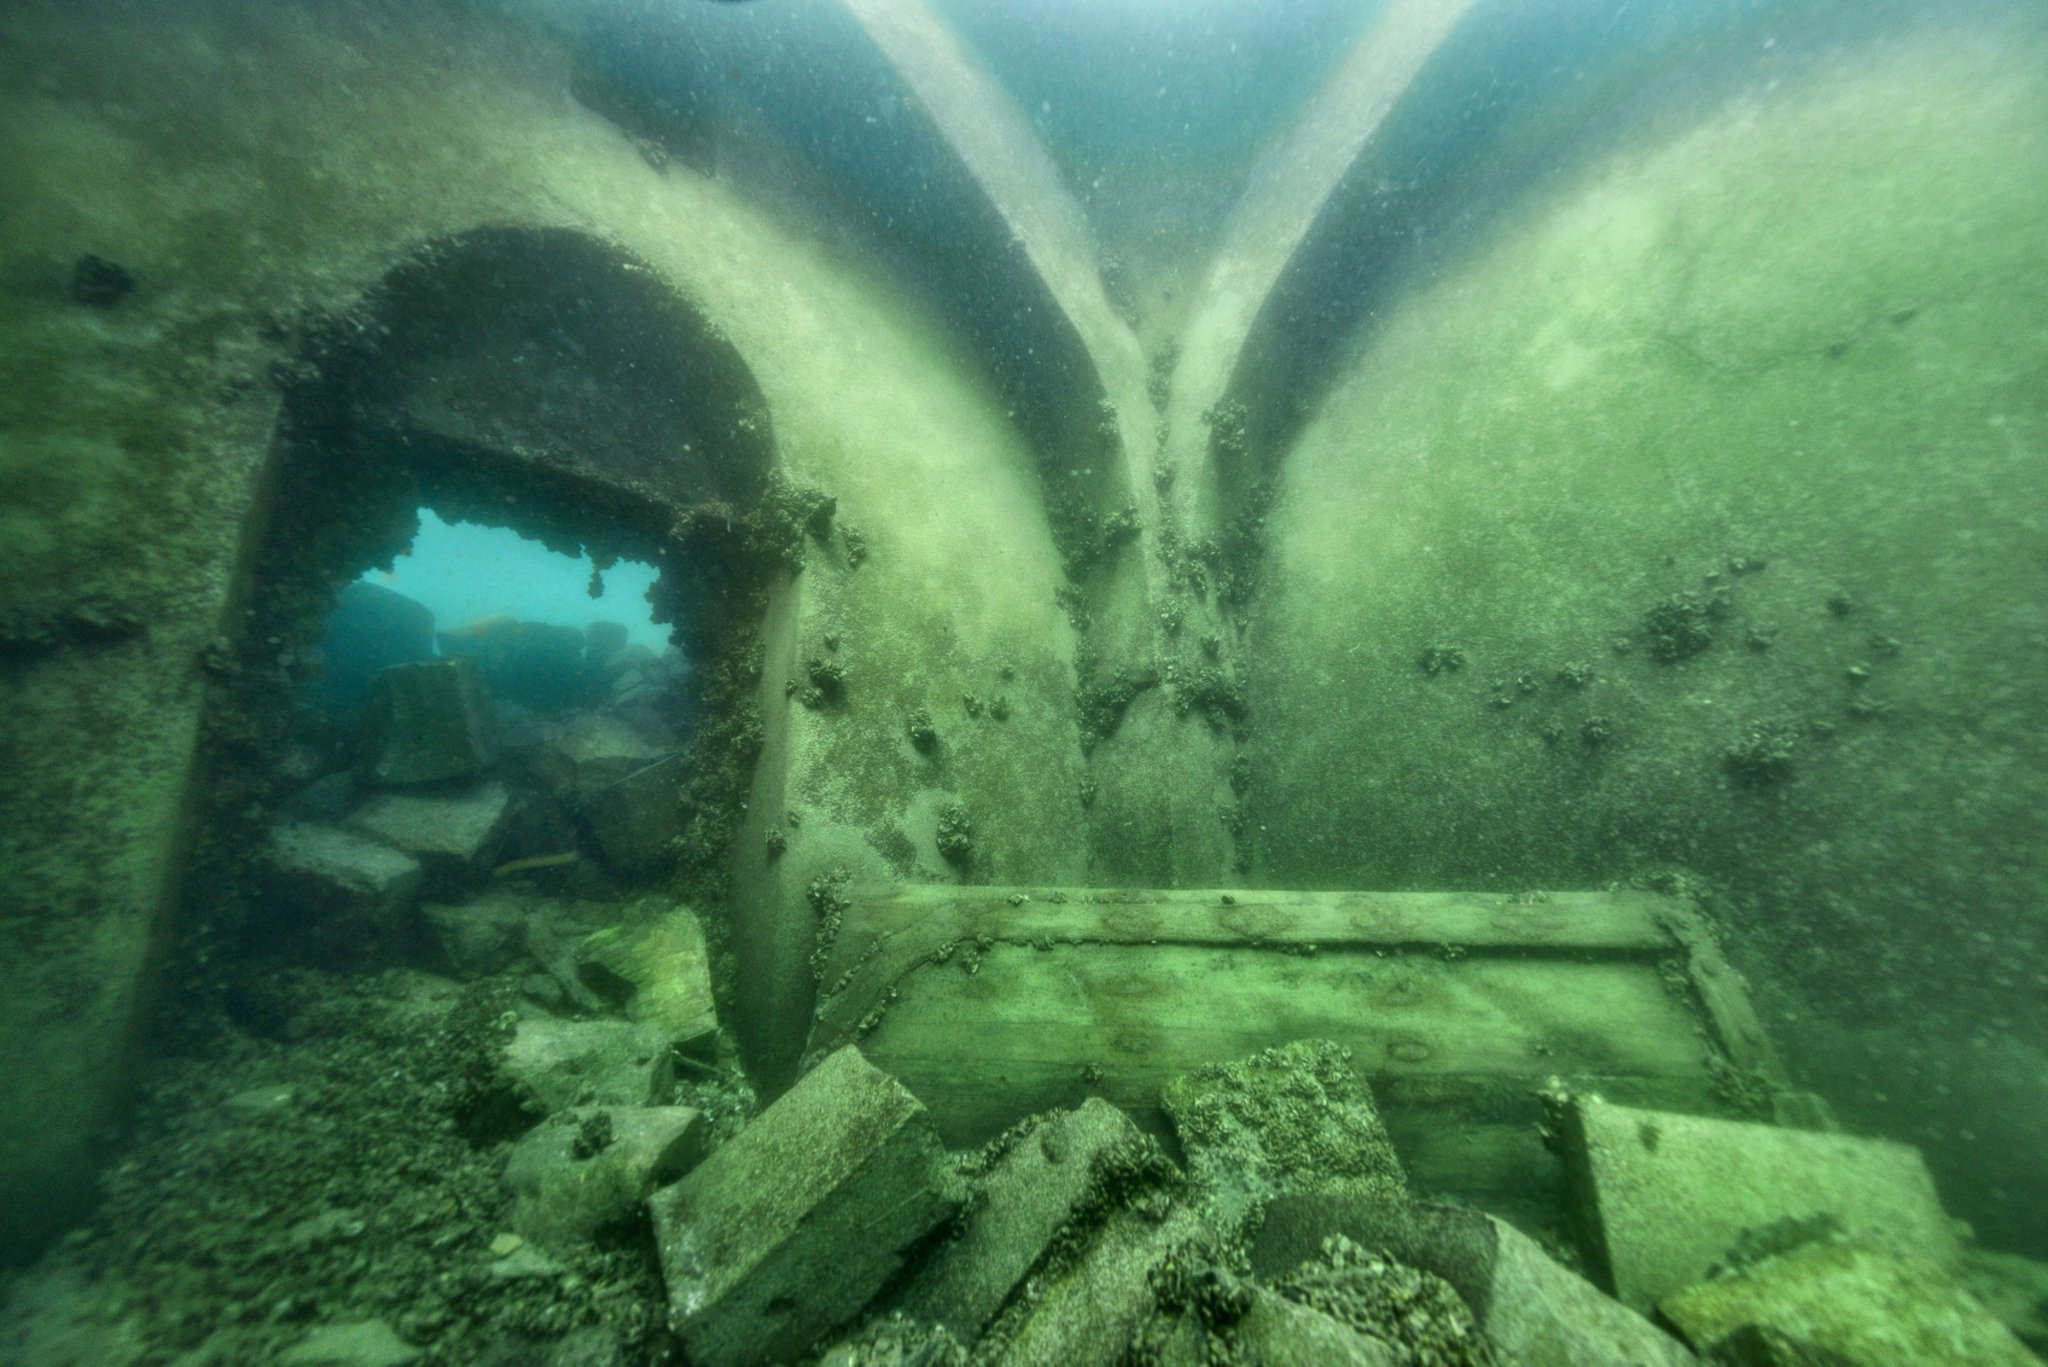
524	1263
1755	1346
1277	1332
553	937
1542	1314
1455	1243
2012	1287
1090	1314
1875	1307
1538	1312
1419	1314
264	1100
455	836
592	751
426	723
532	663
790	1228
602	640
1031	1193
554	1064
100	282
336	896
365	1343
595	1166
1668	1196
370	629
621	782
1294	1118
637	819
893	1341
591	1346
327	800
480	937
662	968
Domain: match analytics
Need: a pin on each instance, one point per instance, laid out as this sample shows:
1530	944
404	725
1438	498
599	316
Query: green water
1137	533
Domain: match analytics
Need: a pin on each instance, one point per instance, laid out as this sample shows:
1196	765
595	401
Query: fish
538	861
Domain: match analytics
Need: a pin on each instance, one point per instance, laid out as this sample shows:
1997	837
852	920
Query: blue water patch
465	573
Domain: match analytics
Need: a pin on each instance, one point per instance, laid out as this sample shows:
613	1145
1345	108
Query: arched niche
540	380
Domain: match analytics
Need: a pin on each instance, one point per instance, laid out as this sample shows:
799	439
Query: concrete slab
788	1230
1668	1195
453	835
593	1166
1875	1307
1034	1191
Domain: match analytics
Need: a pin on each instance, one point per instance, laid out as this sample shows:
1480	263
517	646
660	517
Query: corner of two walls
1685	525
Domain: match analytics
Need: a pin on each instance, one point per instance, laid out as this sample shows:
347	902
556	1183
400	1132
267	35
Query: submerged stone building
1493	482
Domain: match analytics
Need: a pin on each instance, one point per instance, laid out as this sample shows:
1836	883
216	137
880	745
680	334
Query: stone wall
1689	519
255	171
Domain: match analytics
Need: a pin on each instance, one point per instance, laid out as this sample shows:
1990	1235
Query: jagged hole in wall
548	632
560	458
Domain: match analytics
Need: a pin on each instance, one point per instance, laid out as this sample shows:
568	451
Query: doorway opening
499	659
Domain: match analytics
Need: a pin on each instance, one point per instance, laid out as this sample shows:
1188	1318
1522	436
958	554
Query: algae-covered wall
257	168
1692	519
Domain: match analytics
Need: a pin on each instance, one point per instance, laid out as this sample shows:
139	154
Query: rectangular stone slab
1667	1195
791	1227
1027	1198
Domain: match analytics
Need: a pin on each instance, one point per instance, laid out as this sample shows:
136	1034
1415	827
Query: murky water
937	681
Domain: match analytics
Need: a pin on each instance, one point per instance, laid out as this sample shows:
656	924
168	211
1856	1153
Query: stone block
1090	1315
554	1064
455	836
1031	1193
1668	1196
337	895
1292	1118
591	751
594	1166
427	722
1540	1313
534	663
361	1343
602	640
1277	1332
636	819
662	968
479	937
1871	1305
788	1230
371	628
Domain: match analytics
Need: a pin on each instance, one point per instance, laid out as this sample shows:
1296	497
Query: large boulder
482	936
788	1230
637	819
1292	1118
428	722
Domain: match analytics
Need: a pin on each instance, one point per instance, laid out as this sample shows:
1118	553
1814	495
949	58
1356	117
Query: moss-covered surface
1706	493
256	175
346	1167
